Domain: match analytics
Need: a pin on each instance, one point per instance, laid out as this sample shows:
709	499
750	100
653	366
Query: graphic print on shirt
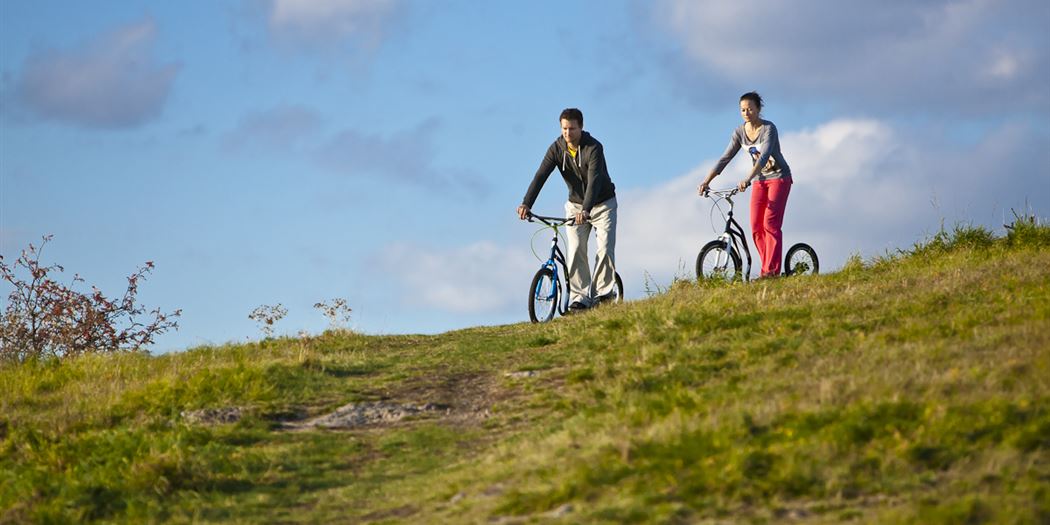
771	164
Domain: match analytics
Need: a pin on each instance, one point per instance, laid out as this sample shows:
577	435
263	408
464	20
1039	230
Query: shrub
1027	231
267	316
337	313
961	236
44	318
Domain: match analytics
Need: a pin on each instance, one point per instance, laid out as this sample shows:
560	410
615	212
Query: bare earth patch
213	416
463	398
359	415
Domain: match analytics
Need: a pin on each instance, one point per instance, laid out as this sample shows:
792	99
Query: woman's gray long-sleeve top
764	150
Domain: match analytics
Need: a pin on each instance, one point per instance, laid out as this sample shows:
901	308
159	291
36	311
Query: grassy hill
913	388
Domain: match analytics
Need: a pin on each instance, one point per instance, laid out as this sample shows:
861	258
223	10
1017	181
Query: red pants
768	200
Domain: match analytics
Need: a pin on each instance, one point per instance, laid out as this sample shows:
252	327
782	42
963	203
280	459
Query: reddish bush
44	318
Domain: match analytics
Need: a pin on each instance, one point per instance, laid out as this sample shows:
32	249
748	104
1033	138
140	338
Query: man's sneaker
607	298
577	307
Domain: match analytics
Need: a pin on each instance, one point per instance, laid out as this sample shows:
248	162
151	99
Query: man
592	202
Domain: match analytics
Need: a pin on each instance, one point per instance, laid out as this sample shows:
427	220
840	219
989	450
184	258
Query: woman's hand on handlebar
524	212
701	190
705	186
744	184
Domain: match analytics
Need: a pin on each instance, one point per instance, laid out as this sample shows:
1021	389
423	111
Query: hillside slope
912	388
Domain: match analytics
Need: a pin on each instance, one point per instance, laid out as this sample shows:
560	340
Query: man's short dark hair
572	114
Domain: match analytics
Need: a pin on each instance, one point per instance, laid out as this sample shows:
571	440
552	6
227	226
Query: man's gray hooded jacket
586	175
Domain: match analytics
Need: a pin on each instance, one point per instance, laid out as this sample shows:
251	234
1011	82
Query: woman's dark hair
753	96
572	114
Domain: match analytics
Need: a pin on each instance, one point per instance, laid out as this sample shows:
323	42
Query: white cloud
861	186
660	229
973	56
1005	66
835	158
109	82
320	22
482	277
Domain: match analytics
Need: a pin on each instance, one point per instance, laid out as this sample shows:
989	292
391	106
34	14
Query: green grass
909	388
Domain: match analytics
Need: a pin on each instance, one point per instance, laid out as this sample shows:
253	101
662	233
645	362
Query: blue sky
294	151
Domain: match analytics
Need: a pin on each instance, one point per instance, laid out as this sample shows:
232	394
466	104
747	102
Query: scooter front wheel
543	296
716	261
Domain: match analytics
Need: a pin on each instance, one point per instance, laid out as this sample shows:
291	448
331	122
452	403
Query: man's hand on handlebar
582	217
524	212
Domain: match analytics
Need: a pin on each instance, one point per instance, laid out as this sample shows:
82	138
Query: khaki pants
603	220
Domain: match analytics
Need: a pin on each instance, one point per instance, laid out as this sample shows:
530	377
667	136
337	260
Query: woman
773	184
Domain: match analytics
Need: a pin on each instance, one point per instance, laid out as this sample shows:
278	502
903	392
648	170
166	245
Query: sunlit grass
908	388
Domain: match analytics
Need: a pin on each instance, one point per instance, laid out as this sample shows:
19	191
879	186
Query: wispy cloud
407	156
112	81
327	23
280	128
971	57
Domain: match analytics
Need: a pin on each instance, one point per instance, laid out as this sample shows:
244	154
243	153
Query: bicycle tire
710	263
542	304
801	259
